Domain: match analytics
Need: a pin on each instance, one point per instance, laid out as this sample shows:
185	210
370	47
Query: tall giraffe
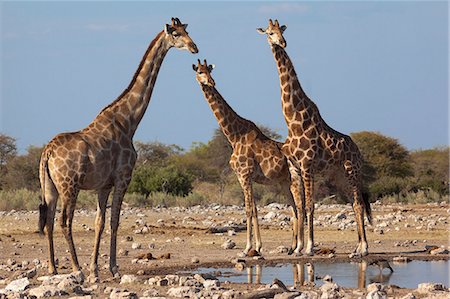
314	147
255	158
101	156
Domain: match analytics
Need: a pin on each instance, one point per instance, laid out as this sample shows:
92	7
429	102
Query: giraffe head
274	33
203	73
178	37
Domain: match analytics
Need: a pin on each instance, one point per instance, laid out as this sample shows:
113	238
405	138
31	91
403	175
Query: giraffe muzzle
193	48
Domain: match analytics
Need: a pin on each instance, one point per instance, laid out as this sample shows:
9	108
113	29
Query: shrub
167	179
22	199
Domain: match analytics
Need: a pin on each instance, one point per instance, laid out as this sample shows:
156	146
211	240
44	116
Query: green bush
167	179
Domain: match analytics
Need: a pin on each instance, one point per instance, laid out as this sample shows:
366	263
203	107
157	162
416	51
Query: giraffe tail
43	208
367	208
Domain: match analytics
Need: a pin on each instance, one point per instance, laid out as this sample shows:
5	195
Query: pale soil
187	239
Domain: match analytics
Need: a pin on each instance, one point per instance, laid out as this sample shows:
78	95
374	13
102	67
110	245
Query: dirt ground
184	234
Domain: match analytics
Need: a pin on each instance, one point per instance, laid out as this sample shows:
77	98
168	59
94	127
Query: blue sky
377	66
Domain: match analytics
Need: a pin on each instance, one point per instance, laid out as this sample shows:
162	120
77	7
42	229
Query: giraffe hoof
252	253
291	251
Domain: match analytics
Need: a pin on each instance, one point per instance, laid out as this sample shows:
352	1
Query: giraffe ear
260	30
194	67
168	29
282	28
185	26
211	67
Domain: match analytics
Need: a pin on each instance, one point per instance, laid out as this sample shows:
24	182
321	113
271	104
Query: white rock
269	216
211	284
46	291
129	278
228	244
136	245
330	291
430	287
18	285
182	291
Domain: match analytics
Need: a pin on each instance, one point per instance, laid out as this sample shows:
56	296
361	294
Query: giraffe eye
200	72
271	33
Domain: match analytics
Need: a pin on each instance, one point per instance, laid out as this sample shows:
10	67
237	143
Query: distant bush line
167	175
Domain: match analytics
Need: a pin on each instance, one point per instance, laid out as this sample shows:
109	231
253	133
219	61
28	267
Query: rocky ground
159	250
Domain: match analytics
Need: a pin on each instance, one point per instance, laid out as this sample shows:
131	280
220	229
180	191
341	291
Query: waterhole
353	275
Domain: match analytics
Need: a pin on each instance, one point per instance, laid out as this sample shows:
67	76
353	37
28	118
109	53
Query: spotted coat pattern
101	156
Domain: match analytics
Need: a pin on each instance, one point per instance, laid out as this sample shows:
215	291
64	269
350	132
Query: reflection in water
254	274
257	276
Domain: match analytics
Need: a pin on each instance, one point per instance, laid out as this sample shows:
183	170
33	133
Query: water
353	275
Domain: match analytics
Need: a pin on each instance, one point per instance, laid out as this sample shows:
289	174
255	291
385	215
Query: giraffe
313	147
255	158
101	156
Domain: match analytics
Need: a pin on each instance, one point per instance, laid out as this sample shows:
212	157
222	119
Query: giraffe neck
124	114
229	121
295	103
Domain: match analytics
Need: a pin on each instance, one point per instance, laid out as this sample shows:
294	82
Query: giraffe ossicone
101	156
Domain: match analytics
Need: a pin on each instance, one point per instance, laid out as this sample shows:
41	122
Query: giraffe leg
358	208
294	226
352	175
258	242
99	226
68	202
248	199
119	192
308	182
296	190
51	200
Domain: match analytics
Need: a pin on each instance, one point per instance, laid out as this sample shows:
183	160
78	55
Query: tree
155	153
431	169
8	150
387	164
23	170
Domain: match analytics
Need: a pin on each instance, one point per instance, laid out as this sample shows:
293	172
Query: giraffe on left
101	156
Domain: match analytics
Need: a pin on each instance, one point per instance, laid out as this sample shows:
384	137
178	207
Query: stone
136	245
18	285
231	294
287	295
182	291
195	260
282	249
172	280
162	282
375	287
129	278
122	294
327	278
269	216
211	284
46	291
440	250
239	266
428	287
228	244
400	259
150	293
409	296
376	291
330	291
82	297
